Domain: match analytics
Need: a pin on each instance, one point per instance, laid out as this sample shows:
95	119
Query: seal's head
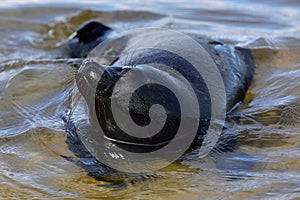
159	90
120	107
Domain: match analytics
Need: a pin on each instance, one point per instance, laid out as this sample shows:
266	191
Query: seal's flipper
90	31
86	38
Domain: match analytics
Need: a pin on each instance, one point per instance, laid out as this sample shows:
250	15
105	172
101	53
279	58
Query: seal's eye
110	76
90	31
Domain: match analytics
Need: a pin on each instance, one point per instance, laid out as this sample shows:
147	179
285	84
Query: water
34	88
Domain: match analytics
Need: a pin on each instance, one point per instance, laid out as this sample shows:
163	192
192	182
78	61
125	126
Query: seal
235	64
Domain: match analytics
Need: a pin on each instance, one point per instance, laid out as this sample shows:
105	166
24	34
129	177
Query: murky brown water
33	93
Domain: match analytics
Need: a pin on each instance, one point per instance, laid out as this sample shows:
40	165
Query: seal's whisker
128	57
123	62
139	60
131	58
72	102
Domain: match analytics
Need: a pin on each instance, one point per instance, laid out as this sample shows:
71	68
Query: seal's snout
96	81
87	78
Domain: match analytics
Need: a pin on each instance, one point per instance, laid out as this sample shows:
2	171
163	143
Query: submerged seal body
235	64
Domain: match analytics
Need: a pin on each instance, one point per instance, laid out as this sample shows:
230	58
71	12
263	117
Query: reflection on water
34	88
